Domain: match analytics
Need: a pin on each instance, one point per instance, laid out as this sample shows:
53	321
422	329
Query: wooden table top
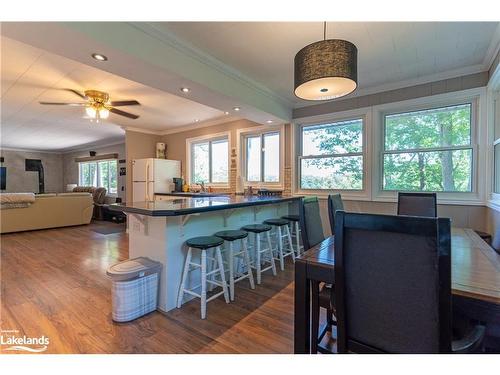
475	265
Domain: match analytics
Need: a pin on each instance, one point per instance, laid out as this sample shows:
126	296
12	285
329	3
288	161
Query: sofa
48	211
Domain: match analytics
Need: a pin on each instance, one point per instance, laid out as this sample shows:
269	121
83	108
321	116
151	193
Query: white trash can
134	290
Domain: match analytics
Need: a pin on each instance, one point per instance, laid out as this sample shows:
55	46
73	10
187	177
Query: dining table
475	282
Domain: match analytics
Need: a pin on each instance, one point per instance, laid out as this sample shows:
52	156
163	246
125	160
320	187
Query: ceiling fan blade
76	93
70	104
123	113
125	102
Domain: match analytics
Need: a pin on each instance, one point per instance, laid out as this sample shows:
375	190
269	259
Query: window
101	173
428	150
209	161
263	158
332	156
496	143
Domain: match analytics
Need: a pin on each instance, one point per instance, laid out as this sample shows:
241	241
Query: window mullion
210	162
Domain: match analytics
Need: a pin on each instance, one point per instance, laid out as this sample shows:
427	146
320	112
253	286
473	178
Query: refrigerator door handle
147	182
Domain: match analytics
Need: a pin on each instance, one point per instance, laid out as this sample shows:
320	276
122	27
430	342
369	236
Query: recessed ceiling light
197	120
236	108
226	113
185	89
269	121
99	57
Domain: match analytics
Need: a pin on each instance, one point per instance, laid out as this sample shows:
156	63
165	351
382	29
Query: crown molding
97	146
202	124
493	49
30	150
160	33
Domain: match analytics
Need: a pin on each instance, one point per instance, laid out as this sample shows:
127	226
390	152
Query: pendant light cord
324	30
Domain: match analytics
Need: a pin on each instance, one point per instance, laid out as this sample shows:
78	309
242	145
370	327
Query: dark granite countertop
191	194
188	205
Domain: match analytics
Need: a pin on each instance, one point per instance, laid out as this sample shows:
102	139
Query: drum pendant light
326	70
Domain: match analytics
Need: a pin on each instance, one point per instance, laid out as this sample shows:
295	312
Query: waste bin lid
133	268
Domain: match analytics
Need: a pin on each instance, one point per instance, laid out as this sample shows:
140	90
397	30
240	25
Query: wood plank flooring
53	283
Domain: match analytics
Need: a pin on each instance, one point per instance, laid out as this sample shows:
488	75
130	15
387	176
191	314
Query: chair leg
297	237
185	273
257	256
203	298
231	270
280	250
246	258
290	243
273	266
314	316
222	274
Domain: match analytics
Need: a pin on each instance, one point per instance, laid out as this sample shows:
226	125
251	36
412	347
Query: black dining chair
393	286
417	204
322	296
335	203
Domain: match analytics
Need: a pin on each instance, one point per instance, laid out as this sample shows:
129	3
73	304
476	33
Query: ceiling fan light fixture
91	111
326	70
104	113
99	57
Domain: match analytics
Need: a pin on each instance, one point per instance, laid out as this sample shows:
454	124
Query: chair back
392	284
310	222
417	204
334	204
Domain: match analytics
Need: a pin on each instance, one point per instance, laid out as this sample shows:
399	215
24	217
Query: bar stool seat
204	242
231	235
257	228
277	222
291	217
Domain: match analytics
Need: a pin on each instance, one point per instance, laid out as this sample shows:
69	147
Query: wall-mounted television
3	178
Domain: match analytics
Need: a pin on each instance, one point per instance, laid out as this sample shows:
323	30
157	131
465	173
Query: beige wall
18	180
70	167
138	146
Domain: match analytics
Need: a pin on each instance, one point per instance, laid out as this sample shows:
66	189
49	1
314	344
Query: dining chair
335	203
393	286
321	296
417	204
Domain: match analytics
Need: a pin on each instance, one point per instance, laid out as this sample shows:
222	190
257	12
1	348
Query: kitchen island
159	229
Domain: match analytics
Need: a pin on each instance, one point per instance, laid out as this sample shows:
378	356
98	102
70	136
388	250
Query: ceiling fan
98	106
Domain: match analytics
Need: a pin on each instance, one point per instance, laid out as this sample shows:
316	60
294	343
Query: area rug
110	229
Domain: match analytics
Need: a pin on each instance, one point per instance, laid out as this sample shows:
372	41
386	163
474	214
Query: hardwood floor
54	284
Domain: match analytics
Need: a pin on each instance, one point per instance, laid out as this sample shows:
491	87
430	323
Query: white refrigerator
153	176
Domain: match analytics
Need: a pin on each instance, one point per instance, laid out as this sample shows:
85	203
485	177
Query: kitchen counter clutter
190	205
159	229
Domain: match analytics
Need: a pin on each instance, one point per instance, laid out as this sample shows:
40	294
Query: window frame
494	113
477	99
191	142
241	167
98	175
262	137
469	146
364	114
337	155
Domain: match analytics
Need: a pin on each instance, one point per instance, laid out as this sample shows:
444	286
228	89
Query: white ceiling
30	75
395	53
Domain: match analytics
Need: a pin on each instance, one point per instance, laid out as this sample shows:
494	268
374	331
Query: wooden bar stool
295	232
203	244
257	229
278	224
230	236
